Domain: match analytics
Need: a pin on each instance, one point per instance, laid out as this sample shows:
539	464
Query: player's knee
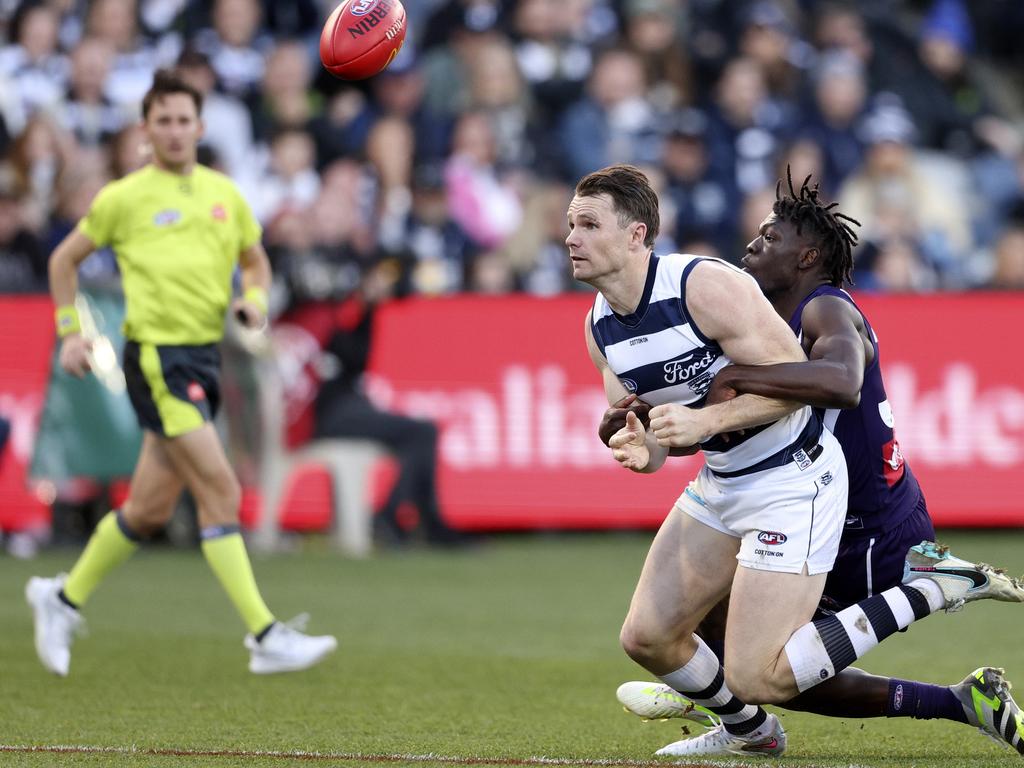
753	686
145	517
643	643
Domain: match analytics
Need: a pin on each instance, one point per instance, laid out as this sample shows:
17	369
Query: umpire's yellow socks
110	545
224	550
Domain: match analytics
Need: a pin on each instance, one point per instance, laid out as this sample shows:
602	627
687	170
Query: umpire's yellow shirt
177	240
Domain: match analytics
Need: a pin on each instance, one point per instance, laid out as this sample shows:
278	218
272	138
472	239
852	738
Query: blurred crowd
451	171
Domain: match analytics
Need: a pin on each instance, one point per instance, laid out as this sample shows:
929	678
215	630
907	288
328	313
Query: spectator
746	126
37	158
135	59
615	123
398	91
22	258
88	113
913	197
497	90
226	122
1008	272
236	46
286	100
769	38
441	250
553	62
292	181
32	66
651	32
840	95
129	151
485	205
705	197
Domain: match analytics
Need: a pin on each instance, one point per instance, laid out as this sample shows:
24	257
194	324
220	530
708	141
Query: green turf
506	651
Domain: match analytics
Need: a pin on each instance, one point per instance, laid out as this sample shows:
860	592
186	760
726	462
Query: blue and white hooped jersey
660	354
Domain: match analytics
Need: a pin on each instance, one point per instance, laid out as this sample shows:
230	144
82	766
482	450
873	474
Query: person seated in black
342	410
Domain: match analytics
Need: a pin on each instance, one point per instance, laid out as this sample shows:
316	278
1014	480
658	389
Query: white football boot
657	701
286	649
961	581
768	740
56	622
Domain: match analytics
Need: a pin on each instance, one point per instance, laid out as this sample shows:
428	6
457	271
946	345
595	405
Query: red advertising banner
518	401
509	382
26	343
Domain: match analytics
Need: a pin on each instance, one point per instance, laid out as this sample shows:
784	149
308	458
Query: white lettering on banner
533	419
23	412
955	424
529	420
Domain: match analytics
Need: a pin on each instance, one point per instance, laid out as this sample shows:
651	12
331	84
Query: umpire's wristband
256	295
67	320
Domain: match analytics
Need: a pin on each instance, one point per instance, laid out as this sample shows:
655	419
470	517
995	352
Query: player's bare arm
728	307
633	446
838	349
63	268
251	307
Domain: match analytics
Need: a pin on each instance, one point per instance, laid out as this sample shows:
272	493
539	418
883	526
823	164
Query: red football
361	37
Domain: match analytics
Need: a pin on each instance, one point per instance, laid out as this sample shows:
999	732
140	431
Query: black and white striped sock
702	681
821	648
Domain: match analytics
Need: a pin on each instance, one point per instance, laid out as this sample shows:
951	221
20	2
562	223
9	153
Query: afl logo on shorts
771	538
195	392
629	384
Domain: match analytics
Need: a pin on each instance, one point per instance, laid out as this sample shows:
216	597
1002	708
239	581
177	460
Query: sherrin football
361	37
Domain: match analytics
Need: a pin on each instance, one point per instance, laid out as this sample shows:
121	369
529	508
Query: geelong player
773	498
179	230
800	258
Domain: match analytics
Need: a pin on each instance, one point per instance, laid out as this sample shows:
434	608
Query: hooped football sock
224	550
702	681
821	648
111	544
923	701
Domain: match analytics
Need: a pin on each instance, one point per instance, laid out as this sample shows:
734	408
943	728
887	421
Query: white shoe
56	623
286	649
657	701
961	581
769	739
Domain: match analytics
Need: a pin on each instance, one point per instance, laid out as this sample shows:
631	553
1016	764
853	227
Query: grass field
497	655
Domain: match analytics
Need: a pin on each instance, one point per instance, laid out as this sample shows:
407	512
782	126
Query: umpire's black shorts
173	389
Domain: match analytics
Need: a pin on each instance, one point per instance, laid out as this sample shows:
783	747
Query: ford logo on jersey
688	365
771	538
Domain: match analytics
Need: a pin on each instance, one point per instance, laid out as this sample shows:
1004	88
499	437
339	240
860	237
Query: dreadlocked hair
837	238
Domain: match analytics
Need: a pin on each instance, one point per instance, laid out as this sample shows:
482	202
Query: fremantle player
800	258
772	499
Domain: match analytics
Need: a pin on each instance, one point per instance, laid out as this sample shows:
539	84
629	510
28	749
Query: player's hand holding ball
361	37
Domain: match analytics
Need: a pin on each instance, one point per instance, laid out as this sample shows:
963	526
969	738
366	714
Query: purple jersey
883	490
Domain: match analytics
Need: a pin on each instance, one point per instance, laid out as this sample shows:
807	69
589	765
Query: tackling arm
834	335
727	306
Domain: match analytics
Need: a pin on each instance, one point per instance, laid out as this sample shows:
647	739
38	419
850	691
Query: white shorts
787	518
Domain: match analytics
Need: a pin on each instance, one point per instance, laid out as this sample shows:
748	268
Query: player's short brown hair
633	197
166	82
